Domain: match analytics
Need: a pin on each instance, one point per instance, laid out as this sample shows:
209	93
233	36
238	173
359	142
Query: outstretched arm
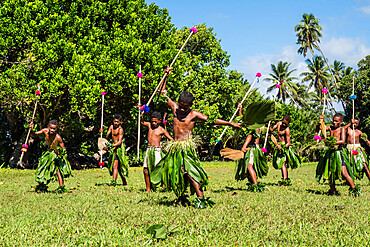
273	128
223	122
146	124
170	102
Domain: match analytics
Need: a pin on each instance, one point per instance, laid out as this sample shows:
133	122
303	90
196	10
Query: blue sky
257	34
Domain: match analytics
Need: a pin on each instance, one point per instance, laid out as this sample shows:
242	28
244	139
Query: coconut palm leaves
318	77
281	75
308	34
257	114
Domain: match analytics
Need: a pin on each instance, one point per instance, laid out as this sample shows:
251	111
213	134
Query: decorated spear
353	97
25	145
138	117
258	75
145	107
101	163
278	86
322	125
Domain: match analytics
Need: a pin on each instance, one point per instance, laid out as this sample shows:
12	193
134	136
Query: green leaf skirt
151	157
330	165
259	164
49	164
180	160
122	160
292	160
357	161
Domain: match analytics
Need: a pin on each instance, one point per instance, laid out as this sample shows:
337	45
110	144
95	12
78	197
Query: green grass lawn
95	214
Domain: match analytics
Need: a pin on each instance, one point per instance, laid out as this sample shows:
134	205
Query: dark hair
53	122
117	116
357	118
287	118
340	115
186	97
156	115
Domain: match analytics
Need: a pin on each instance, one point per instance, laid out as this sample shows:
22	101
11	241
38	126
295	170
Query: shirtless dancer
181	165
358	156
154	152
53	163
284	157
118	163
332	165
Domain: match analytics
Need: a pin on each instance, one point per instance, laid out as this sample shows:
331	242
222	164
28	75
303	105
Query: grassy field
95	214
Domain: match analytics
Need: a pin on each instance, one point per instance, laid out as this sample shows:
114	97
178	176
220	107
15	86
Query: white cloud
365	9
347	50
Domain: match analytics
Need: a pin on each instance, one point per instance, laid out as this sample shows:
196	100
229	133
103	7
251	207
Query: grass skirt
180	159
151	157
292	160
259	164
356	161
49	164
330	165
122	160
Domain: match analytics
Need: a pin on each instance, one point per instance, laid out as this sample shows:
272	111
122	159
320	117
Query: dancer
333	164
181	166
254	163
53	163
358	159
284	157
154	152
118	162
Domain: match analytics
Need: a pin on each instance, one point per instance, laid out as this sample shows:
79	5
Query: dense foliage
76	49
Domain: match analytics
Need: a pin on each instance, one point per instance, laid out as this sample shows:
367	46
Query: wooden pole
101	125
269	124
237	109
172	63
138	119
323	111
353	111
33	118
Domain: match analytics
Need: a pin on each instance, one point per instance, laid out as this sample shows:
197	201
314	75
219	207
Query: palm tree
281	75
308	33
338	70
317	76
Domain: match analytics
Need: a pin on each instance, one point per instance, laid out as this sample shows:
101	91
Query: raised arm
170	102
273	128
146	124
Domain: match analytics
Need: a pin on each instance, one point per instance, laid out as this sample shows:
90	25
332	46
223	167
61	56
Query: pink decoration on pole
38	92
317	137
24	146
103	93
194	29
278	85
264	150
164	122
139	75
101	163
325	90
258	74
24	150
354	152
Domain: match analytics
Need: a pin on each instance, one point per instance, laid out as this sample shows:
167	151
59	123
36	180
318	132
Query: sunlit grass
95	214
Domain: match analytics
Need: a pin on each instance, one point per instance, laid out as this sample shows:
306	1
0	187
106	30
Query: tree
282	75
362	102
75	50
308	34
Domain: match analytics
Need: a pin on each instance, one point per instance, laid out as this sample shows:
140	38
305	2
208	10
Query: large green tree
76	49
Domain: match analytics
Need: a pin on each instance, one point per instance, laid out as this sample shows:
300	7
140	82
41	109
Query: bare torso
350	134
155	136
116	134
338	133
183	124
281	133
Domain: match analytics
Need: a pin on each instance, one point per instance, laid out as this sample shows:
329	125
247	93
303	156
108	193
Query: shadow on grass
228	189
316	192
